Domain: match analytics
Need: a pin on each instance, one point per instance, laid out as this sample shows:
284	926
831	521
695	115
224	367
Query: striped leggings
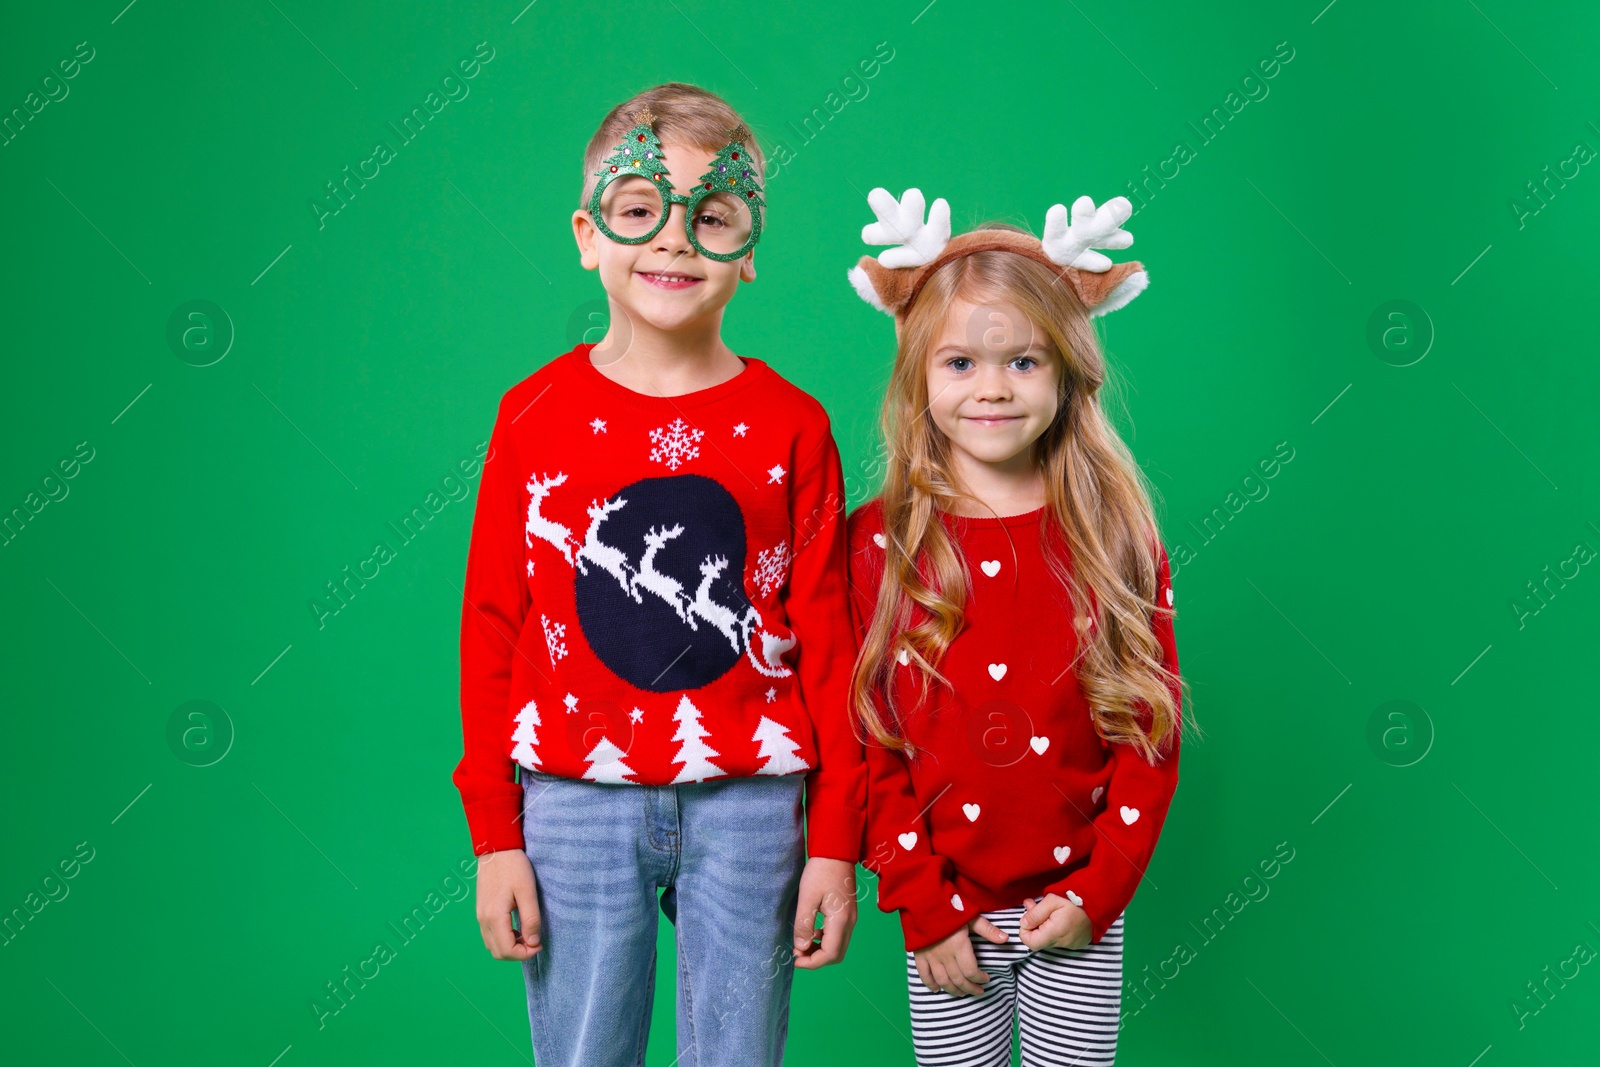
1067	1003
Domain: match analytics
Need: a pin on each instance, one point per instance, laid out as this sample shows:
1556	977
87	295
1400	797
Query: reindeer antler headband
892	280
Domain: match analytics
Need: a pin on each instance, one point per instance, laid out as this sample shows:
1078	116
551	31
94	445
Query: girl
1018	681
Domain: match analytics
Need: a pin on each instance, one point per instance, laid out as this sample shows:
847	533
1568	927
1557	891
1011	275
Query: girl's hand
506	882
952	966
1054	922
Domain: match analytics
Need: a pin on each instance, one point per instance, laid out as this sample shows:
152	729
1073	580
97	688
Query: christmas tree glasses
634	197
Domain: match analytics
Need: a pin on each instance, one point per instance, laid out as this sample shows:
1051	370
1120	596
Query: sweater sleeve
495	603
912	878
818	610
1137	797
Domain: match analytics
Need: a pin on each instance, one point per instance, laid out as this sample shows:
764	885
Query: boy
657	632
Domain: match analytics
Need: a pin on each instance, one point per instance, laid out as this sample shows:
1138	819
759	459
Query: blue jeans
728	854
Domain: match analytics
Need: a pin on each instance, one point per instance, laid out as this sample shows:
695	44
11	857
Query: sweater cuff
1095	900
495	820
929	921
833	828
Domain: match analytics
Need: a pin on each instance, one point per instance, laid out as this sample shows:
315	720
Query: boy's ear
587	236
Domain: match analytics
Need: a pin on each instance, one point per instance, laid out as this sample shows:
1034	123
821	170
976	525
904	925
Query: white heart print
1062	852
955	901
1130	815
997	671
1075	898
878	540
908	840
1099	791
1169	596
991	567
971	811
904	656
1039	744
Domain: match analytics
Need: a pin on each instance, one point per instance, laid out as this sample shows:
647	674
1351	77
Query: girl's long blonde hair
1096	497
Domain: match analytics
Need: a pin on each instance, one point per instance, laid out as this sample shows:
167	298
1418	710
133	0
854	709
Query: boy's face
992	383
664	282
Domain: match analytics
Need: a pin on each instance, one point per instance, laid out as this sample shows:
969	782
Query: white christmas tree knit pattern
693	752
525	737
778	749
605	764
675	443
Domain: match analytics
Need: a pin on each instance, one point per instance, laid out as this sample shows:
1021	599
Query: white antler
1091	227
900	224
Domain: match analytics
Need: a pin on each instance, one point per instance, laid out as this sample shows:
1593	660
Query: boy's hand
505	881
828	886
952	966
1055	922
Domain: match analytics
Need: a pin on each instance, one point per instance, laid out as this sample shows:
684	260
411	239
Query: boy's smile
671	280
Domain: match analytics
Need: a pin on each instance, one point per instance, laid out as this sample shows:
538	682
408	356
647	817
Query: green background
1384	562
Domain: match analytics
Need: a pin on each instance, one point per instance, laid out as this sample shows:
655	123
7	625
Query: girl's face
992	379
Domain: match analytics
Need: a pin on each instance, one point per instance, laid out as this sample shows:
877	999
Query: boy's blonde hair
682	112
1096	501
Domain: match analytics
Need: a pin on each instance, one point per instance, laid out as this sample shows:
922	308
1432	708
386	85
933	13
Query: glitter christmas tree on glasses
634	197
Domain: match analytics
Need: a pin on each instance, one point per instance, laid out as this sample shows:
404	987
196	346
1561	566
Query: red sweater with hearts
1013	793
656	594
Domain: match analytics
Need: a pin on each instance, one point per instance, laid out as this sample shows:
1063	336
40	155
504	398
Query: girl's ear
747	267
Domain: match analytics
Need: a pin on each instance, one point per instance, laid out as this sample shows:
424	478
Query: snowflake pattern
772	568
738	431
775	474
675	443
598	425
553	634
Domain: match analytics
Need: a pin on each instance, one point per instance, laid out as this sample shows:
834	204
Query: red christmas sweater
1013	794
656	593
